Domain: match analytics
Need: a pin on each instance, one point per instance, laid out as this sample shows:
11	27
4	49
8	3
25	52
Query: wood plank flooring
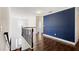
46	44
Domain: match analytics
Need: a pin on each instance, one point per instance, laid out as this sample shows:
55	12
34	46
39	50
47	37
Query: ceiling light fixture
39	12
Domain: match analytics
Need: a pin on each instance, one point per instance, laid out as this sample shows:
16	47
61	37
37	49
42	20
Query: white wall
76	25
77	22
12	23
17	21
4	27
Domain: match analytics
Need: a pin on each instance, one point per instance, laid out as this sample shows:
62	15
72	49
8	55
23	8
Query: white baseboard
59	39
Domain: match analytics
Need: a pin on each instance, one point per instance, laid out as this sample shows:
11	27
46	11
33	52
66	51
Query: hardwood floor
46	44
77	46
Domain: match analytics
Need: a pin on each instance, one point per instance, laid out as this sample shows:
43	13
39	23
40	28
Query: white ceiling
33	10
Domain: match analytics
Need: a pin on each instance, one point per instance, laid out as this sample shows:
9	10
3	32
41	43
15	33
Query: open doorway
39	27
39	24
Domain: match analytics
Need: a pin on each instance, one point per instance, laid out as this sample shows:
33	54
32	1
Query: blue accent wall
61	24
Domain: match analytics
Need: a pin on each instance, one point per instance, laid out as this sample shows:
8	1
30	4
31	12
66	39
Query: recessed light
39	12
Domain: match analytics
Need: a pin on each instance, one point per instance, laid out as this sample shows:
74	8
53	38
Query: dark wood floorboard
46	44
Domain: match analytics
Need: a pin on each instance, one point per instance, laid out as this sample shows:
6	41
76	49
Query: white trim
76	36
59	39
